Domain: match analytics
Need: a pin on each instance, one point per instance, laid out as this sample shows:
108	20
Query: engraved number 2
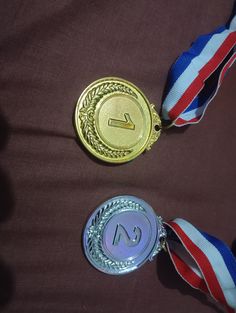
127	123
121	232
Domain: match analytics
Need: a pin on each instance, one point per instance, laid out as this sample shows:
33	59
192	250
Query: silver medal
122	234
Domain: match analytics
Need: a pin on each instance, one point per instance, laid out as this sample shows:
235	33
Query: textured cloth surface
49	52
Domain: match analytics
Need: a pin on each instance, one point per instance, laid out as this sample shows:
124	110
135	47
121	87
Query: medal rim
77	122
156	227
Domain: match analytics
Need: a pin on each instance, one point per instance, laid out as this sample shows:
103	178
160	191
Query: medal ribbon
195	77
203	261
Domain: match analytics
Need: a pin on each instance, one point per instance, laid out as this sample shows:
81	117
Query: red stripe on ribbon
187	273
181	121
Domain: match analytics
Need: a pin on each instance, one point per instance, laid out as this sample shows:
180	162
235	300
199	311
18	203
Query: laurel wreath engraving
95	235
86	115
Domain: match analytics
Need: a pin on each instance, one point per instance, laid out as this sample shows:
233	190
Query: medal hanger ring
115	121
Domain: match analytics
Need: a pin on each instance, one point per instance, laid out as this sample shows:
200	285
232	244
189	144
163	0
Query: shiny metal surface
115	121
122	234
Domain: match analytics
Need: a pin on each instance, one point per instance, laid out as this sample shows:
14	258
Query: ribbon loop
194	79
203	261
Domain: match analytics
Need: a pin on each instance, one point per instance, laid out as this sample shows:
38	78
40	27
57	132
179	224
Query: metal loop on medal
122	234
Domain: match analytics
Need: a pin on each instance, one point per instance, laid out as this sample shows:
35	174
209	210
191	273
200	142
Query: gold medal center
120	121
115	121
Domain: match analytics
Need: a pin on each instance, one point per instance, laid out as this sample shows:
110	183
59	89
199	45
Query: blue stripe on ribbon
227	255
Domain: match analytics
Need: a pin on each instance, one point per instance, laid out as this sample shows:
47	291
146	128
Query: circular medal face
115	121
122	234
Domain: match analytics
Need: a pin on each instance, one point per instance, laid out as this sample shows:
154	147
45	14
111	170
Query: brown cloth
49	185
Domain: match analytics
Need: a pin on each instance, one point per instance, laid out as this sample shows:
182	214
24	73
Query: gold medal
115	121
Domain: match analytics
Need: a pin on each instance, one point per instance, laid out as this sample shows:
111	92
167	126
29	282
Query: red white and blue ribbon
203	261
197	74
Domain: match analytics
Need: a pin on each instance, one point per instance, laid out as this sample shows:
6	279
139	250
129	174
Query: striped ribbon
203	261
196	76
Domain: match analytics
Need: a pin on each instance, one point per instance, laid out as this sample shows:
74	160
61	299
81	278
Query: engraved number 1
127	123
121	232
